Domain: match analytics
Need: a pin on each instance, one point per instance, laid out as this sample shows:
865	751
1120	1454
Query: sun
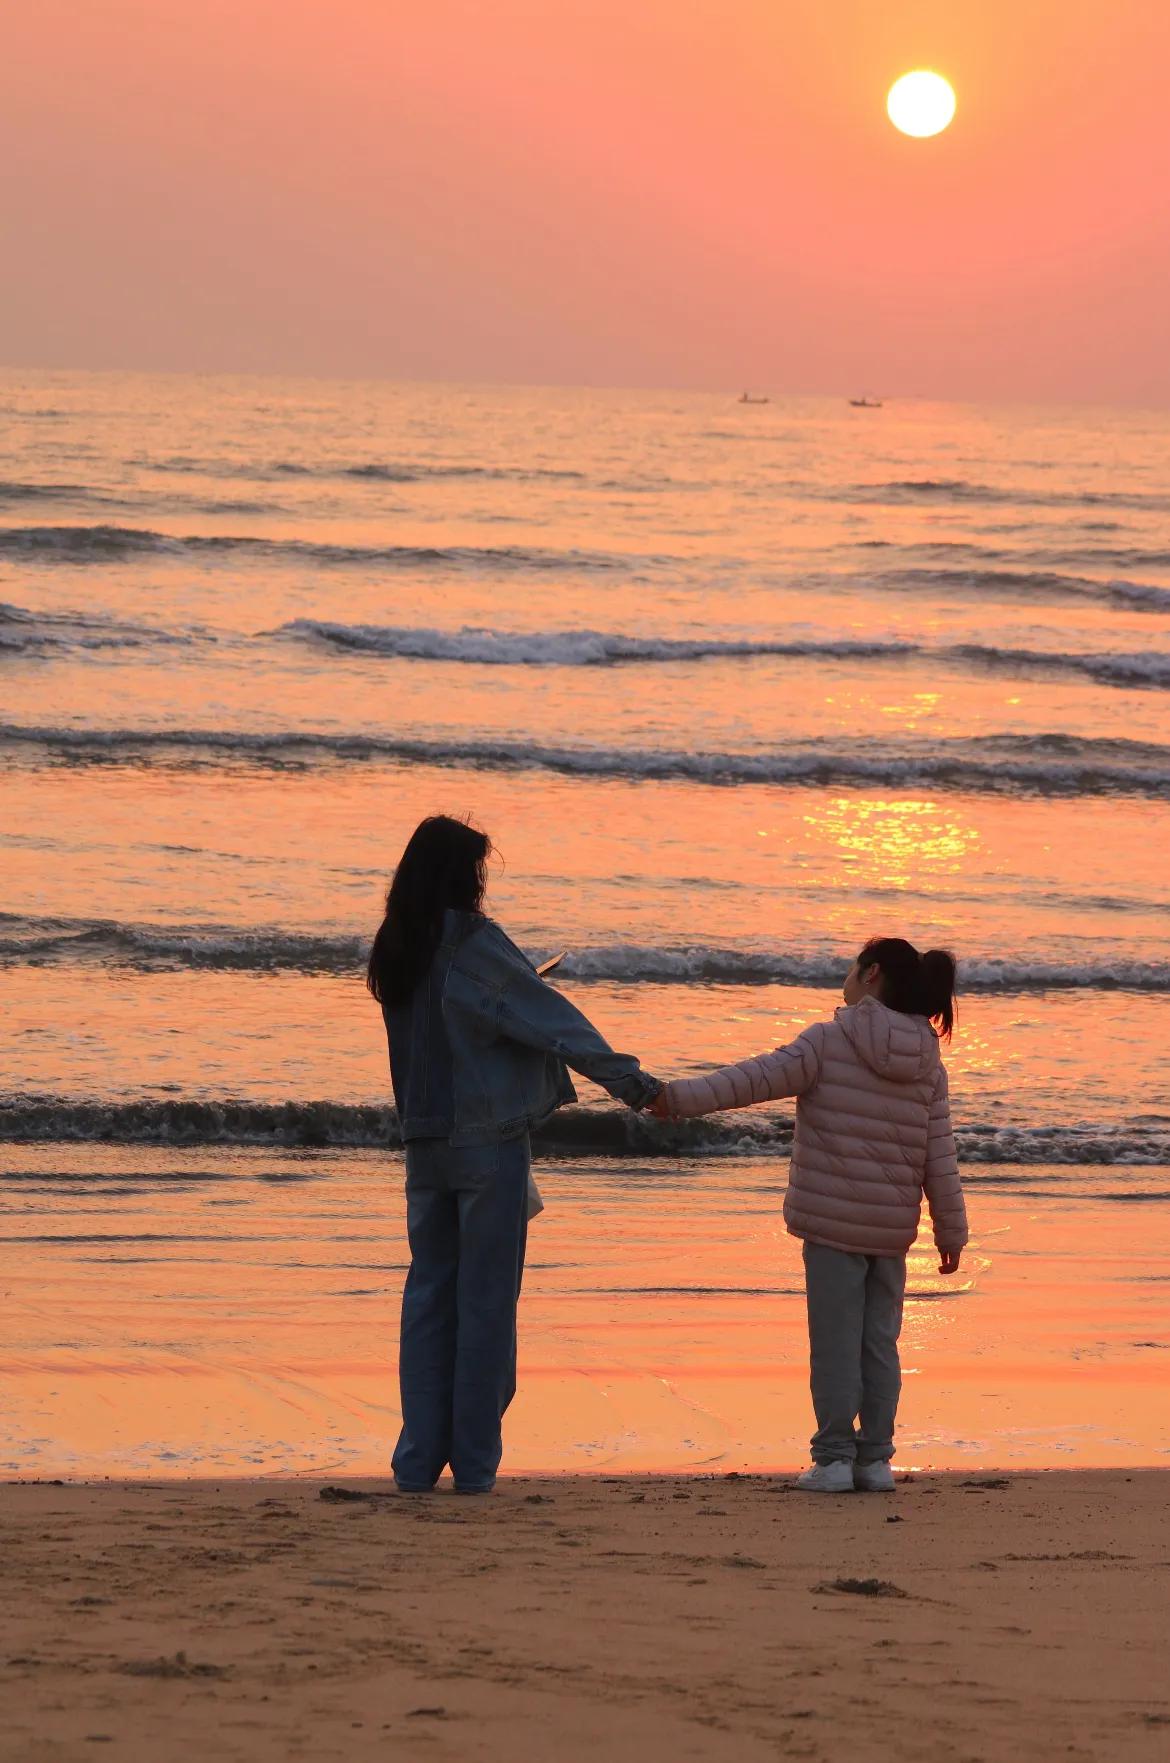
921	103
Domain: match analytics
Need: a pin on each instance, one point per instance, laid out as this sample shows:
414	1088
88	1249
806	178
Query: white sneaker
827	1478
873	1478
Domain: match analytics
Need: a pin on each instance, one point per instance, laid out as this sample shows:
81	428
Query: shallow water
731	688
217	1310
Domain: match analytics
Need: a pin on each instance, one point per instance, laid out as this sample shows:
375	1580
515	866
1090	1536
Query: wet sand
679	1617
234	1312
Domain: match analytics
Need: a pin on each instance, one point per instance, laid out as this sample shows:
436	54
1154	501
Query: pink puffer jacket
873	1128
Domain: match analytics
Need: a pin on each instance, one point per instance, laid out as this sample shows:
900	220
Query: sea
732	686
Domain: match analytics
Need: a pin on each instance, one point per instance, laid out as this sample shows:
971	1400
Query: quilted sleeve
944	1190
788	1071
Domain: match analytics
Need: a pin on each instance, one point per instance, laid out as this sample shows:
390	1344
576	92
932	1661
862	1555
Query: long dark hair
920	985
444	865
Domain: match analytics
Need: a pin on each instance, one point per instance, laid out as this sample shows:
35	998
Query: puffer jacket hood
900	1048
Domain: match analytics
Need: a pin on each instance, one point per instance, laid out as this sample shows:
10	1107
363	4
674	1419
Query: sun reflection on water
928	1315
898	839
918	708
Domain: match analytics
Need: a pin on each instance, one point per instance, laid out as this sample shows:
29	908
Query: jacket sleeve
789	1071
529	1010
944	1190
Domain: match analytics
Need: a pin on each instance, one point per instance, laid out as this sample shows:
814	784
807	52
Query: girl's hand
660	1106
948	1260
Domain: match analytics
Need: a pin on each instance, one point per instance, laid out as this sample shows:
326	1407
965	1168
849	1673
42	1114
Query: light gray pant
854	1319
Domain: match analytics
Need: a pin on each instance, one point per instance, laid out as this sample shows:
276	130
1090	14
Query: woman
478	1049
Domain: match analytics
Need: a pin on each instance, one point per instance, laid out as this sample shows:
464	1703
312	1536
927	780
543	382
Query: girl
873	1133
478	1050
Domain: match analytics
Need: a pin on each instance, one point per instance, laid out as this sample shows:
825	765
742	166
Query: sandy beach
971	1617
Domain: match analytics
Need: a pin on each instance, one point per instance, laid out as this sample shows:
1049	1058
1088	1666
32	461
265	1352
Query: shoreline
721	1616
368	1485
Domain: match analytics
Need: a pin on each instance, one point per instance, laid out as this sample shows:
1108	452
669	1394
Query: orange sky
648	192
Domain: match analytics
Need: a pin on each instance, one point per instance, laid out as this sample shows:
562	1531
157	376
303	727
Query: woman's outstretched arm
535	1013
788	1071
518	1004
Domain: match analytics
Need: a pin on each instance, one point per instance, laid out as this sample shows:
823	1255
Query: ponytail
917	985
936	979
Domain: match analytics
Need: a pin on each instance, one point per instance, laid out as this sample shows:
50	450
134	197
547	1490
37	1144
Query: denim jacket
479	1053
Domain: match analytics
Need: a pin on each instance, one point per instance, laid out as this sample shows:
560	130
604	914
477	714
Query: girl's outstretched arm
944	1190
789	1071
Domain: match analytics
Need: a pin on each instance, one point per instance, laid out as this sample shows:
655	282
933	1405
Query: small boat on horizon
866	403
746	398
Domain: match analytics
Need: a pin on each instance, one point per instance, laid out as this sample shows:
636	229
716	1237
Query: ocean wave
1041	765
421	472
895	491
104	543
1025	583
959	550
729	966
81	544
236	505
587	648
26	632
191	465
965	490
11	491
1099	556
97	544
25	939
109	538
373	471
23	632
584	648
270	949
1149	669
574	1132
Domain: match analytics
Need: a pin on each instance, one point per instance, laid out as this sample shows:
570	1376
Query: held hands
948	1260
660	1107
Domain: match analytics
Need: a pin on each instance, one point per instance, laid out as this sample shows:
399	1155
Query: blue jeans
467	1221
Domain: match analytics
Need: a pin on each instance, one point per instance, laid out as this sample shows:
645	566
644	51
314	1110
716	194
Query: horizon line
730	391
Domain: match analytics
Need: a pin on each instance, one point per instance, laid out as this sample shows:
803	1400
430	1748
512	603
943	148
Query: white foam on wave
1148	668
574	1132
23	632
26	632
581	648
730	966
589	648
107	942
